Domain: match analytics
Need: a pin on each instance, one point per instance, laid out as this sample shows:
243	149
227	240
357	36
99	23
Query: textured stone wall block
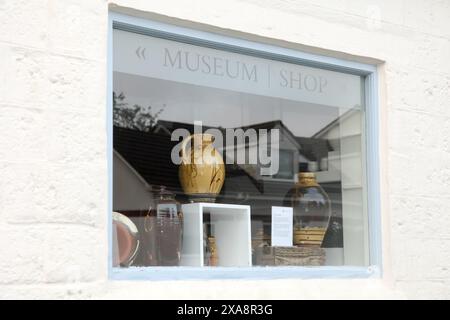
24	22
22	260
22	76
43	193
23	133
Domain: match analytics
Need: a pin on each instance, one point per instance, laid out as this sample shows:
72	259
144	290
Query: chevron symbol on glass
140	52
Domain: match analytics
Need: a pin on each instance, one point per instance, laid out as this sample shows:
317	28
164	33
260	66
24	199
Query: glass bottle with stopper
169	222
311	208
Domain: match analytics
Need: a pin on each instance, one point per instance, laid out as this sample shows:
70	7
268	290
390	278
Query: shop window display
234	160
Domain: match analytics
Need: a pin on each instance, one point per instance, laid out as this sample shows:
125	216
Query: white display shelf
231	225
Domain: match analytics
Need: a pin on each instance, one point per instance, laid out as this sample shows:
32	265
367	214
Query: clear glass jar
312	210
169	229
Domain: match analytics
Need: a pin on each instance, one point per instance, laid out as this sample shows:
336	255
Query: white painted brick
67	193
25	21
428	16
405	49
22	76
385	10
416	132
423	173
76	83
74	254
67	134
23	133
372	12
427	53
22	261
437	289
35	78
71	24
25	193
52	253
71	291
446	137
420	216
413	51
420	258
422	16
418	90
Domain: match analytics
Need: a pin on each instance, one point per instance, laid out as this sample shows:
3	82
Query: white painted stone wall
53	169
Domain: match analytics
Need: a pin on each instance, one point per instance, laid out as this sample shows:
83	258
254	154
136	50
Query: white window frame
221	42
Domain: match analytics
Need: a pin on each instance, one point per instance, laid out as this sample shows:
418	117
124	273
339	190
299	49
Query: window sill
251	273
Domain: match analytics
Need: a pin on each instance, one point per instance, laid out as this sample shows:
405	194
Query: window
227	156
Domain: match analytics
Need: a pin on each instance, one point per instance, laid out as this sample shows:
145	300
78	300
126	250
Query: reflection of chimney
161	128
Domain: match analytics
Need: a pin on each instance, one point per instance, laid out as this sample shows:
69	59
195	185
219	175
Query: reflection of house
289	151
295	152
131	190
147	158
346	171
148	154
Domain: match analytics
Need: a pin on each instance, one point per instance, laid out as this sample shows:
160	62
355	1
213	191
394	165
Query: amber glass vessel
312	210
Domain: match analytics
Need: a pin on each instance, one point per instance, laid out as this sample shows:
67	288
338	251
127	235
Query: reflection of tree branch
135	117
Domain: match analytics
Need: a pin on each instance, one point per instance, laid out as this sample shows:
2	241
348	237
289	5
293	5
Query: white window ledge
251	273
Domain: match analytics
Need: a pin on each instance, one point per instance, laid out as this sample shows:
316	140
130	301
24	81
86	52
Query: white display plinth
231	224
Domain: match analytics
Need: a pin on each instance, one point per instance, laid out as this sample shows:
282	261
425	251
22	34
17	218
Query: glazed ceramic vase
311	208
202	170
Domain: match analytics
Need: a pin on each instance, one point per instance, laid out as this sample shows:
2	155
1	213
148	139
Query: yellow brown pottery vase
202	170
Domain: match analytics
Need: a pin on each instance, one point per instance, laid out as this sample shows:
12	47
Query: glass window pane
227	159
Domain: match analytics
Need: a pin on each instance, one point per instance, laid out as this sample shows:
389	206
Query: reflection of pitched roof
335	123
276	124
313	148
169	126
143	150
149	154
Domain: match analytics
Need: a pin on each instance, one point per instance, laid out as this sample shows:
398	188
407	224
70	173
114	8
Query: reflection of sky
217	107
